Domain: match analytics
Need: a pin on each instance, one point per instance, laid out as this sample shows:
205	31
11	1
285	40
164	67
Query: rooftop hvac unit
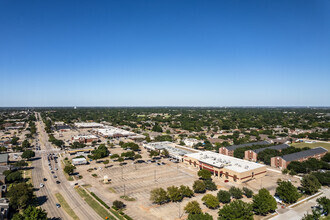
246	167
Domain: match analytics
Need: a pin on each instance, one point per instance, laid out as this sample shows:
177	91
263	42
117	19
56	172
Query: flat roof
220	161
3	158
87	124
110	131
172	148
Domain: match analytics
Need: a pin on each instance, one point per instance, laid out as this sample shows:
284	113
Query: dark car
45	179
58	182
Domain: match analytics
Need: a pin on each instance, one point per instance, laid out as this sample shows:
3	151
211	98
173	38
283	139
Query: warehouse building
113	132
230	150
225	167
253	154
175	151
283	161
88	125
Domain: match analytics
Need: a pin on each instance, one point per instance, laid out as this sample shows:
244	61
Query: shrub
235	192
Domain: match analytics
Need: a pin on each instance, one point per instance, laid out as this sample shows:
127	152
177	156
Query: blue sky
165	53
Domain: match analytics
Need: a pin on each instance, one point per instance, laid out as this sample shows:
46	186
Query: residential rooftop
303	154
276	147
234	147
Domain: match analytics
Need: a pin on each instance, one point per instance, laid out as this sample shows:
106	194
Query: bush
247	192
199	186
158	196
210	185
223	196
210	201
174	194
186	191
118	205
193	208
235	192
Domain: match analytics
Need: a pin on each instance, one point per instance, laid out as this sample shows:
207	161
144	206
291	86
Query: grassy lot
312	145
67	176
100	210
28	173
66	206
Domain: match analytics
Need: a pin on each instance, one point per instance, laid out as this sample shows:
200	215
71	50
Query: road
46	194
297	212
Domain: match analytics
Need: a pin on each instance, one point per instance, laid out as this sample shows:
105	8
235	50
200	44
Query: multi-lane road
46	194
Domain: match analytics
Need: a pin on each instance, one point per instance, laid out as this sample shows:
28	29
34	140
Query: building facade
284	161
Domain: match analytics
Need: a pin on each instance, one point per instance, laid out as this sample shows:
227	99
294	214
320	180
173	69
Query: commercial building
113	132
84	138
175	151
79	161
225	167
88	125
230	150
283	161
191	142
253	154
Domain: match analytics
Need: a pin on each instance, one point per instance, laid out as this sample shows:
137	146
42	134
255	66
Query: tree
210	185
69	169
223	196
165	153
193	208
21	164
235	192
287	192
201	216
315	215
158	196
106	162
326	158
199	186
26	144
310	184
210	201
114	156
28	154
236	210
153	153
137	156
101	152
14	177
247	192
204	174
186	191
31	213
118	204
20	195
263	202
324	203
157	128
14	140
174	194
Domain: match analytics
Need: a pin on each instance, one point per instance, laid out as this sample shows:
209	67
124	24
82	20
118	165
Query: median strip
66	206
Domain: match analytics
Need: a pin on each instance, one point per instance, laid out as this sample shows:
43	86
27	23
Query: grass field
312	145
100	210
66	206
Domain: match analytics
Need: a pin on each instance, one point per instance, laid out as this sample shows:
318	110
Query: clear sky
165	53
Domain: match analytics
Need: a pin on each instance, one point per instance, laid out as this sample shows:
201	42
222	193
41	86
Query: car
163	163
41	185
58	205
45	179
55	176
52	172
58	182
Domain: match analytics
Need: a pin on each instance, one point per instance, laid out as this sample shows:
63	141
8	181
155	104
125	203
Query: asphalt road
46	195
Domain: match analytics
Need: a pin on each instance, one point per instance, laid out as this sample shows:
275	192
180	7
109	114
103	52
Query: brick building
253	154
229	151
284	161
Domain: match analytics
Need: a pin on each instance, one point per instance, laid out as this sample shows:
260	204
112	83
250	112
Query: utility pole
124	190
122	173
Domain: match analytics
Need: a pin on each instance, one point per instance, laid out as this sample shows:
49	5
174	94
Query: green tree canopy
235	192
69	169
199	186
223	196
159	196
287	192
20	195
263	202
186	191
204	174
237	209
310	184
210	201
174	193
201	216
28	154
193	207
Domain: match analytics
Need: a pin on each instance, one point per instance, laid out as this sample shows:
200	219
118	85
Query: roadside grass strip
101	211
66	206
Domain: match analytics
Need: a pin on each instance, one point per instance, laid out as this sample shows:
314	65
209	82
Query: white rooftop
85	137
220	160
110	131
87	124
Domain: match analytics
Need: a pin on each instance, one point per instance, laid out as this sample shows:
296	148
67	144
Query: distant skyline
164	53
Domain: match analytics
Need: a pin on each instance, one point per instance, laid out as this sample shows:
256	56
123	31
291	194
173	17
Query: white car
41	185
